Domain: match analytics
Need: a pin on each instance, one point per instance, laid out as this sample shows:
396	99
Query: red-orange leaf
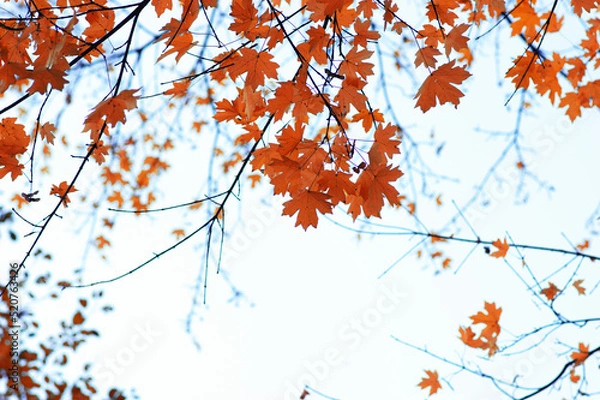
61	191
375	183
113	109
306	204
455	39
502	247
179	233
78	319
13	142
573	377
161	5
438	87
258	65
550	292
581	355
577	285
102	242
584	245
431	381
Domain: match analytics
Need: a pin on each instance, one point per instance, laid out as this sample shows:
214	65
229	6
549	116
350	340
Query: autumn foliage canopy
287	91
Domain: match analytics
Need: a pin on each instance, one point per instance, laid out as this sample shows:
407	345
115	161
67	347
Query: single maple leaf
354	65
316	46
61	191
455	39
525	20
577	285
580	5
491	320
550	292
13	142
101	242
112	177
179	233
116	198
47	132
161	5
574	378
583	246
426	56
502	247
111	110
21	201
438	86
375	183
431	381
337	184
432	35
363	33
441	10
78	318
573	101
257	65
581	355
306	204
494	7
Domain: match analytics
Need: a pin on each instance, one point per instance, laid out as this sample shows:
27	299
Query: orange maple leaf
583	246
245	17
580	5
426	56
581	355
61	191
490	319
455	39
116	198
551	291
306	203
254	179
179	233
494	7
47	132
257	65
363	33
161	5
431	381
468	337
488	337
577	285
316	46
574	378
78	318
374	184
502	247
111	110
438	86
101	242
13	142
21	201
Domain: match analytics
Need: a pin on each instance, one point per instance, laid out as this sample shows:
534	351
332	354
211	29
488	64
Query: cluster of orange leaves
488	336
316	171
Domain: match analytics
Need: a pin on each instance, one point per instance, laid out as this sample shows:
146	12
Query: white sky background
303	292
